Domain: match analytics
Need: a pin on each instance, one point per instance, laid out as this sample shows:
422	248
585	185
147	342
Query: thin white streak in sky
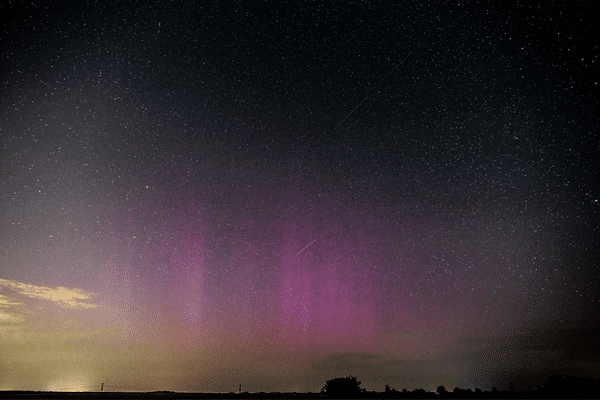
306	246
377	84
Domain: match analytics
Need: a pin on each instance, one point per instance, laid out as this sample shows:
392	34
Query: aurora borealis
272	194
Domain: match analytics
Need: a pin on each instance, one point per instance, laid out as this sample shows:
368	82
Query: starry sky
277	193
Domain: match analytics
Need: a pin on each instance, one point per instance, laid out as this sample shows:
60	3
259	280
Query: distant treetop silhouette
342	387
569	386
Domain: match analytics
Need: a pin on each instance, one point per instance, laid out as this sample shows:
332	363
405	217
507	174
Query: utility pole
102	387
240	388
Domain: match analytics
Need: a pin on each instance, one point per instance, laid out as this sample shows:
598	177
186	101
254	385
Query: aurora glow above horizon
185	206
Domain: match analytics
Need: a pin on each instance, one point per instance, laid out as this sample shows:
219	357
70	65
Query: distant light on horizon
71	382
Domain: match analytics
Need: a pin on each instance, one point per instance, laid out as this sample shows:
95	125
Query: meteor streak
306	246
358	105
376	85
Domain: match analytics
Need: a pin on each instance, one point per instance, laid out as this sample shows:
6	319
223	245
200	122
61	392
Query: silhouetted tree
441	390
342	387
568	386
421	393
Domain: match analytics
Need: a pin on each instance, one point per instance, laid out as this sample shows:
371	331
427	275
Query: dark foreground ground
154	395
532	394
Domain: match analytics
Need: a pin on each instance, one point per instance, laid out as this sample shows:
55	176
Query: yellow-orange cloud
10	317
65	297
7	302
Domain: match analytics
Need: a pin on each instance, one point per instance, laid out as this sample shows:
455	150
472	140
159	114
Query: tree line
556	386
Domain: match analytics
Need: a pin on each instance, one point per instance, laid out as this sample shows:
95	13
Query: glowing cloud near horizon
65	297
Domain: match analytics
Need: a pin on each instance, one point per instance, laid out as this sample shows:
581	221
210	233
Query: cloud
64	297
8	318
6	302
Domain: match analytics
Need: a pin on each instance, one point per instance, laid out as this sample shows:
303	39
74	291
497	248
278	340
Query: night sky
277	193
